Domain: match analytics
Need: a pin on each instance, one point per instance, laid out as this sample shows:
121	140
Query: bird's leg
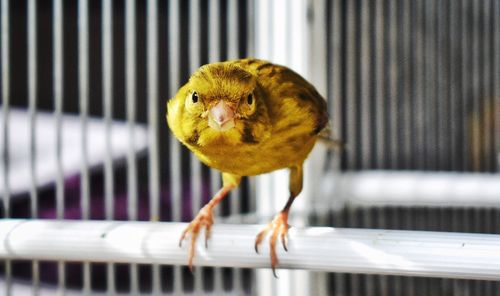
279	225
204	217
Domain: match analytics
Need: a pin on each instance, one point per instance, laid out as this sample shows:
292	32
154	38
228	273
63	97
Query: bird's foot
277	227
203	219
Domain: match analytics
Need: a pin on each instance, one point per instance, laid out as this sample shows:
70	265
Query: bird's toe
278	228
203	219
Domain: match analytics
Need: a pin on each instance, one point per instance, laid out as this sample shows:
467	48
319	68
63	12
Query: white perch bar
413	188
416	253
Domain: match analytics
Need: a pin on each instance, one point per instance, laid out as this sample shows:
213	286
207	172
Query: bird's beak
221	117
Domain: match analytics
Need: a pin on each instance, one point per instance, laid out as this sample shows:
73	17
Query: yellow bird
245	118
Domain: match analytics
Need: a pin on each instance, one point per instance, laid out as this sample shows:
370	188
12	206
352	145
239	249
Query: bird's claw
274	272
203	219
283	242
278	226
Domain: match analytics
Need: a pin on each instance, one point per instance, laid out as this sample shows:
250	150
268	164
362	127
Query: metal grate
412	85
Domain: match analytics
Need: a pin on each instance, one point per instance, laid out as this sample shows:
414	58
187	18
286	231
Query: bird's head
221	104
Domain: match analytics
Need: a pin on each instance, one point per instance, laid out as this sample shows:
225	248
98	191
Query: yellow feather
279	134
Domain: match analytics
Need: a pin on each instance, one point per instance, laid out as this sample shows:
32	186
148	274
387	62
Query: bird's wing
285	83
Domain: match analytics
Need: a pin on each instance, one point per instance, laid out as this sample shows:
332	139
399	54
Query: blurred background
413	89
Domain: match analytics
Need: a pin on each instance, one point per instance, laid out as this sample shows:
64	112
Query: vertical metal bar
475	93
130	92
428	84
486	106
58	102
214	28
441	96
379	65
465	83
232	30
418	62
6	104
453	84
107	69
270	28
393	86
5	13
260	29
251	27
299	19
477	213
351	93
455	220
496	83
214	56
83	67
175	149
57	28
365	76
336	77
437	112
432	80
352	221
32	102
288	36
278	42
383	223
407	84
449	127
153	99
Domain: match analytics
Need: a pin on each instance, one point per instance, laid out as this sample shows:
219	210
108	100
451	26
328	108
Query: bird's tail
325	137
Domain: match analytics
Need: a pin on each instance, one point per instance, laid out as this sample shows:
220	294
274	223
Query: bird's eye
250	99
194	97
